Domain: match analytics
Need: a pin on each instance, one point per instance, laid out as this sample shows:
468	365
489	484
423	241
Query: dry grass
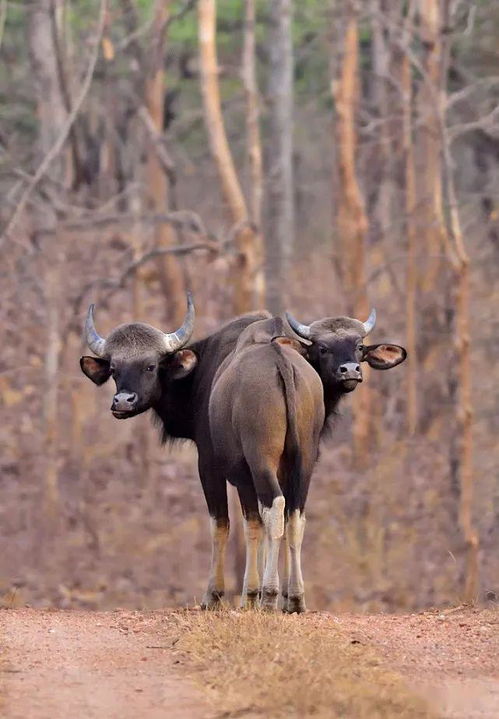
251	663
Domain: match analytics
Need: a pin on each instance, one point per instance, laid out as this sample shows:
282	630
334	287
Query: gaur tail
295	484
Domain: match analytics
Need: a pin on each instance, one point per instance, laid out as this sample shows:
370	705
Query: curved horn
370	322
176	340
94	340
301	330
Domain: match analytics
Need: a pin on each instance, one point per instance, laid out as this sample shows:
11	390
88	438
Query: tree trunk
50	106
254	148
411	232
431	221
231	189
157	183
460	264
430	99
351	220
51	114
464	412
280	228
384	186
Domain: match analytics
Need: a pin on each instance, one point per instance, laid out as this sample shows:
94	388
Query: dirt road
88	665
55	664
450	656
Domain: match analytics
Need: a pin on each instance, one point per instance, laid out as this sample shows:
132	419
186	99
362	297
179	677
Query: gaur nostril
357	368
122	400
343	369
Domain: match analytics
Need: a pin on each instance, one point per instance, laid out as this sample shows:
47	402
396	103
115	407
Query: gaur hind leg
295	528
271	504
215	491
253	533
285	577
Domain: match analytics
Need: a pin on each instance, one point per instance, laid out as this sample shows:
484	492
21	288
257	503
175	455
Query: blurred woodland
323	156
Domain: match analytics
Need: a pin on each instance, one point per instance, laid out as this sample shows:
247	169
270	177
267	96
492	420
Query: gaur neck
174	410
332	397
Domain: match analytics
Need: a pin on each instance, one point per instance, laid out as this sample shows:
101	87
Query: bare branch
214	247
181	218
489	123
118	283
459	95
59	143
182	12
158	141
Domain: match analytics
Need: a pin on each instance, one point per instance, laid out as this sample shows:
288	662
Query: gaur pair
254	397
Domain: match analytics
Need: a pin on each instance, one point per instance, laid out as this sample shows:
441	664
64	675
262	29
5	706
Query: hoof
250	600
295	605
212	600
269	600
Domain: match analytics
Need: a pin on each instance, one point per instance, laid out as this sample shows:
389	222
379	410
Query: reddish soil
451	656
89	665
55	664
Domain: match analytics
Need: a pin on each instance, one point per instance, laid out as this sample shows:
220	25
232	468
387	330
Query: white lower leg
262	555
216	582
296	590
285	578
253	533
273	520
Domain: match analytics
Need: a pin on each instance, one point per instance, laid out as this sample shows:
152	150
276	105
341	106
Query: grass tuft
276	665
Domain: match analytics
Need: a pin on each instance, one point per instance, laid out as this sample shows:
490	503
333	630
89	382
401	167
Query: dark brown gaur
158	371
266	416
336	350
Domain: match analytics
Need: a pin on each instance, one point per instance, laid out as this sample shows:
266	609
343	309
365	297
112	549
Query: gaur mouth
349	384
122	414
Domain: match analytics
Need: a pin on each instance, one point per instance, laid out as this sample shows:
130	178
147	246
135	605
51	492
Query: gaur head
139	358
336	350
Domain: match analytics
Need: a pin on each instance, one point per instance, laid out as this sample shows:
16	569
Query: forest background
322	157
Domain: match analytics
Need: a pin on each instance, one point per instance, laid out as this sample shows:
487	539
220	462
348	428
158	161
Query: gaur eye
151	368
323	350
360	348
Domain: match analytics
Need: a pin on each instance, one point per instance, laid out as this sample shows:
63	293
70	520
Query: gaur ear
294	344
96	369
384	356
181	364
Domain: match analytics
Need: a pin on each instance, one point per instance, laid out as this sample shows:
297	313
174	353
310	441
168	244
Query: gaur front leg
253	533
215	491
216	583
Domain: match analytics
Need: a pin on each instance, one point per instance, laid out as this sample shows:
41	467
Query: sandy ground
88	665
55	664
450	656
